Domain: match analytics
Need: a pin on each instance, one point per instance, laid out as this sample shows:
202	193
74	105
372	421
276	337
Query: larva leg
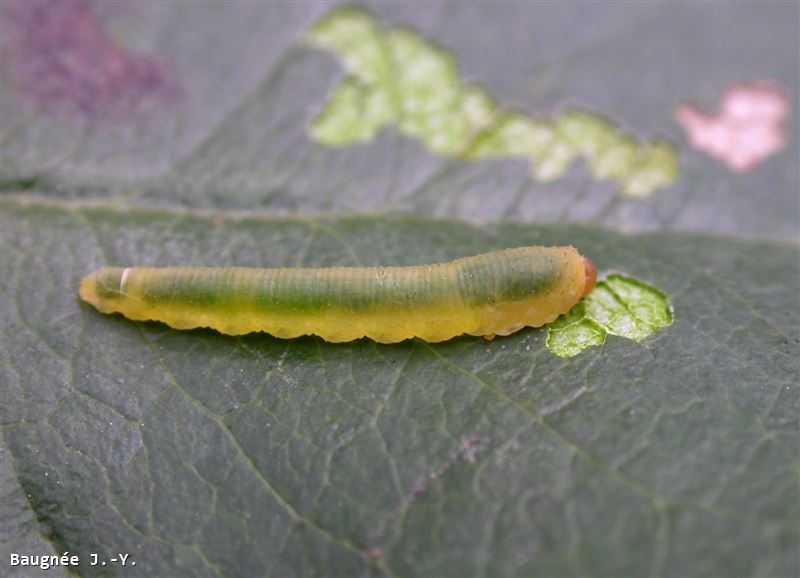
489	336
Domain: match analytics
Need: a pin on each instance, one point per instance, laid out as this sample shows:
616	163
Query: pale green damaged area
618	306
397	78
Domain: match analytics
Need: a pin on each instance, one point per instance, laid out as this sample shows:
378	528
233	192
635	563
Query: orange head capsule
589	276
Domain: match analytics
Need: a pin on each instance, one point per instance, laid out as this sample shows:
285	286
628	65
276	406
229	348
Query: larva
491	294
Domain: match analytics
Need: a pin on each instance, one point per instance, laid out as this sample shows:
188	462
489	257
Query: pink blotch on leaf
747	129
60	55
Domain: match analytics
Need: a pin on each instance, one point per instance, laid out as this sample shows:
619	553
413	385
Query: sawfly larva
491	294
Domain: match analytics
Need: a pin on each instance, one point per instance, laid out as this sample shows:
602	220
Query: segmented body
491	294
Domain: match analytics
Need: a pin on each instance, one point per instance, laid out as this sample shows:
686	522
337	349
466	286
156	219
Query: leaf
617	306
205	455
19	530
246	146
399	78
201	453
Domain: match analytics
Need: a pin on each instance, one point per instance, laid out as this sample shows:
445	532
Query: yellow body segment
486	295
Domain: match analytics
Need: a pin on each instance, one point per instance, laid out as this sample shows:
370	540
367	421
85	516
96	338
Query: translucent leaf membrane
618	306
399	79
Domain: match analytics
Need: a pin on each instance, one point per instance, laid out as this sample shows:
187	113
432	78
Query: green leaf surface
239	139
618	306
206	455
398	78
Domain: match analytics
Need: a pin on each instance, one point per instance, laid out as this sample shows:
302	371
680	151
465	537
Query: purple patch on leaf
59	54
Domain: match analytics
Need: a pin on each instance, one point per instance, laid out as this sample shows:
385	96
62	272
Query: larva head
589	276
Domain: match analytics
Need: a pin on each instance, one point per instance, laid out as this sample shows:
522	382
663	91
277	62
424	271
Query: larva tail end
101	288
88	289
589	276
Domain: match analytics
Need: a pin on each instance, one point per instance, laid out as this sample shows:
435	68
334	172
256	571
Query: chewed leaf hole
619	306
397	78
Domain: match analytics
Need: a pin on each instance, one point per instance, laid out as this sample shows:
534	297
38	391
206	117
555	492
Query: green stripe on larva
492	294
396	78
618	306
